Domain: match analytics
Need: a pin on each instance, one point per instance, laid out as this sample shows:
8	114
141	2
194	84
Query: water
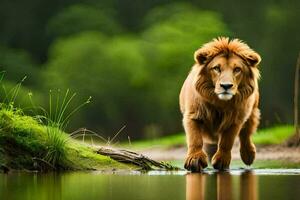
236	184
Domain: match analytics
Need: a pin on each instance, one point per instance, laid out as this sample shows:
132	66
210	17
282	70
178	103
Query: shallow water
236	184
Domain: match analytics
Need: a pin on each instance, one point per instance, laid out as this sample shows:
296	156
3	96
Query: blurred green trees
81	17
111	70
133	58
18	63
134	79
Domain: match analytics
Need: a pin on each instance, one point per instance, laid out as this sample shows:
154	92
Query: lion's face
226	75
227	69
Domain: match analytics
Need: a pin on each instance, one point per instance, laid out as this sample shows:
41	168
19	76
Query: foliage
133	58
17	64
86	18
170	57
129	76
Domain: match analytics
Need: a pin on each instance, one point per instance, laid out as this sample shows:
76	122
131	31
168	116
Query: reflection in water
155	185
197	189
195	186
224	186
248	187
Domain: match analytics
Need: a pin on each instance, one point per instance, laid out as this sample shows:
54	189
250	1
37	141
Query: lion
219	101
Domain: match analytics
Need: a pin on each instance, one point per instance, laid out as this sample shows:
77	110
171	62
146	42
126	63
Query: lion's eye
217	68
237	70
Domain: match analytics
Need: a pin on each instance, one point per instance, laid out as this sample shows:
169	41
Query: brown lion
219	100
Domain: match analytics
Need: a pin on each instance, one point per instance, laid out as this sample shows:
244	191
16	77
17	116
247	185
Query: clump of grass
40	142
9	96
24	144
56	147
56	120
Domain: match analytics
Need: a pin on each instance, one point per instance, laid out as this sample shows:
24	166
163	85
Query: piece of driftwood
130	157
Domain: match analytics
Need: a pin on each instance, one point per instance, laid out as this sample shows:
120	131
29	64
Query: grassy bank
26	144
274	135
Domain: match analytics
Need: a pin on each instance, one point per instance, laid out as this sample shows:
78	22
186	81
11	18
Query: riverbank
26	144
269	142
270	156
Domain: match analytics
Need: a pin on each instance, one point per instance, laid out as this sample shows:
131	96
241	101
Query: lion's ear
252	58
201	56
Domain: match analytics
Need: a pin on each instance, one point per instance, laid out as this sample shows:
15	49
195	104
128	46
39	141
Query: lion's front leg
221	159
196	159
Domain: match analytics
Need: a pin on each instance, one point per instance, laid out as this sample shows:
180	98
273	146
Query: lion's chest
219	119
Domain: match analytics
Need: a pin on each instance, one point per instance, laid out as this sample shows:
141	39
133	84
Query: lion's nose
226	86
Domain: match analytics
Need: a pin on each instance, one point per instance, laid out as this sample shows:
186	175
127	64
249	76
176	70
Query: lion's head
228	69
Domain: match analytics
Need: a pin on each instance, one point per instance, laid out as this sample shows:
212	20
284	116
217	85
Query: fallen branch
44	162
130	157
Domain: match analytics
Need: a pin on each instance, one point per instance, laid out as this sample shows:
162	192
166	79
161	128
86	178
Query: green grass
40	142
273	135
25	144
56	144
267	164
166	141
56	120
266	136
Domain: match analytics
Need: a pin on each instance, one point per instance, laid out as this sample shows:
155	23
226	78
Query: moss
27	144
85	157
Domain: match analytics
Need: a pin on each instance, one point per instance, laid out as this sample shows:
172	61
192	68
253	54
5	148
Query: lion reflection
202	186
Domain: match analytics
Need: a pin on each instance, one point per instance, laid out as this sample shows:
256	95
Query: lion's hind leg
247	147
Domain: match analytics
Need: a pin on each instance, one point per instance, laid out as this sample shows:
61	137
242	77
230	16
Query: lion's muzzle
225	96
225	91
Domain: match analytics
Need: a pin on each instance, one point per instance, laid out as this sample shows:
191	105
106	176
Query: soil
270	152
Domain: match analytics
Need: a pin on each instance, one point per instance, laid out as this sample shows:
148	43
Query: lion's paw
248	153
221	160
196	162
